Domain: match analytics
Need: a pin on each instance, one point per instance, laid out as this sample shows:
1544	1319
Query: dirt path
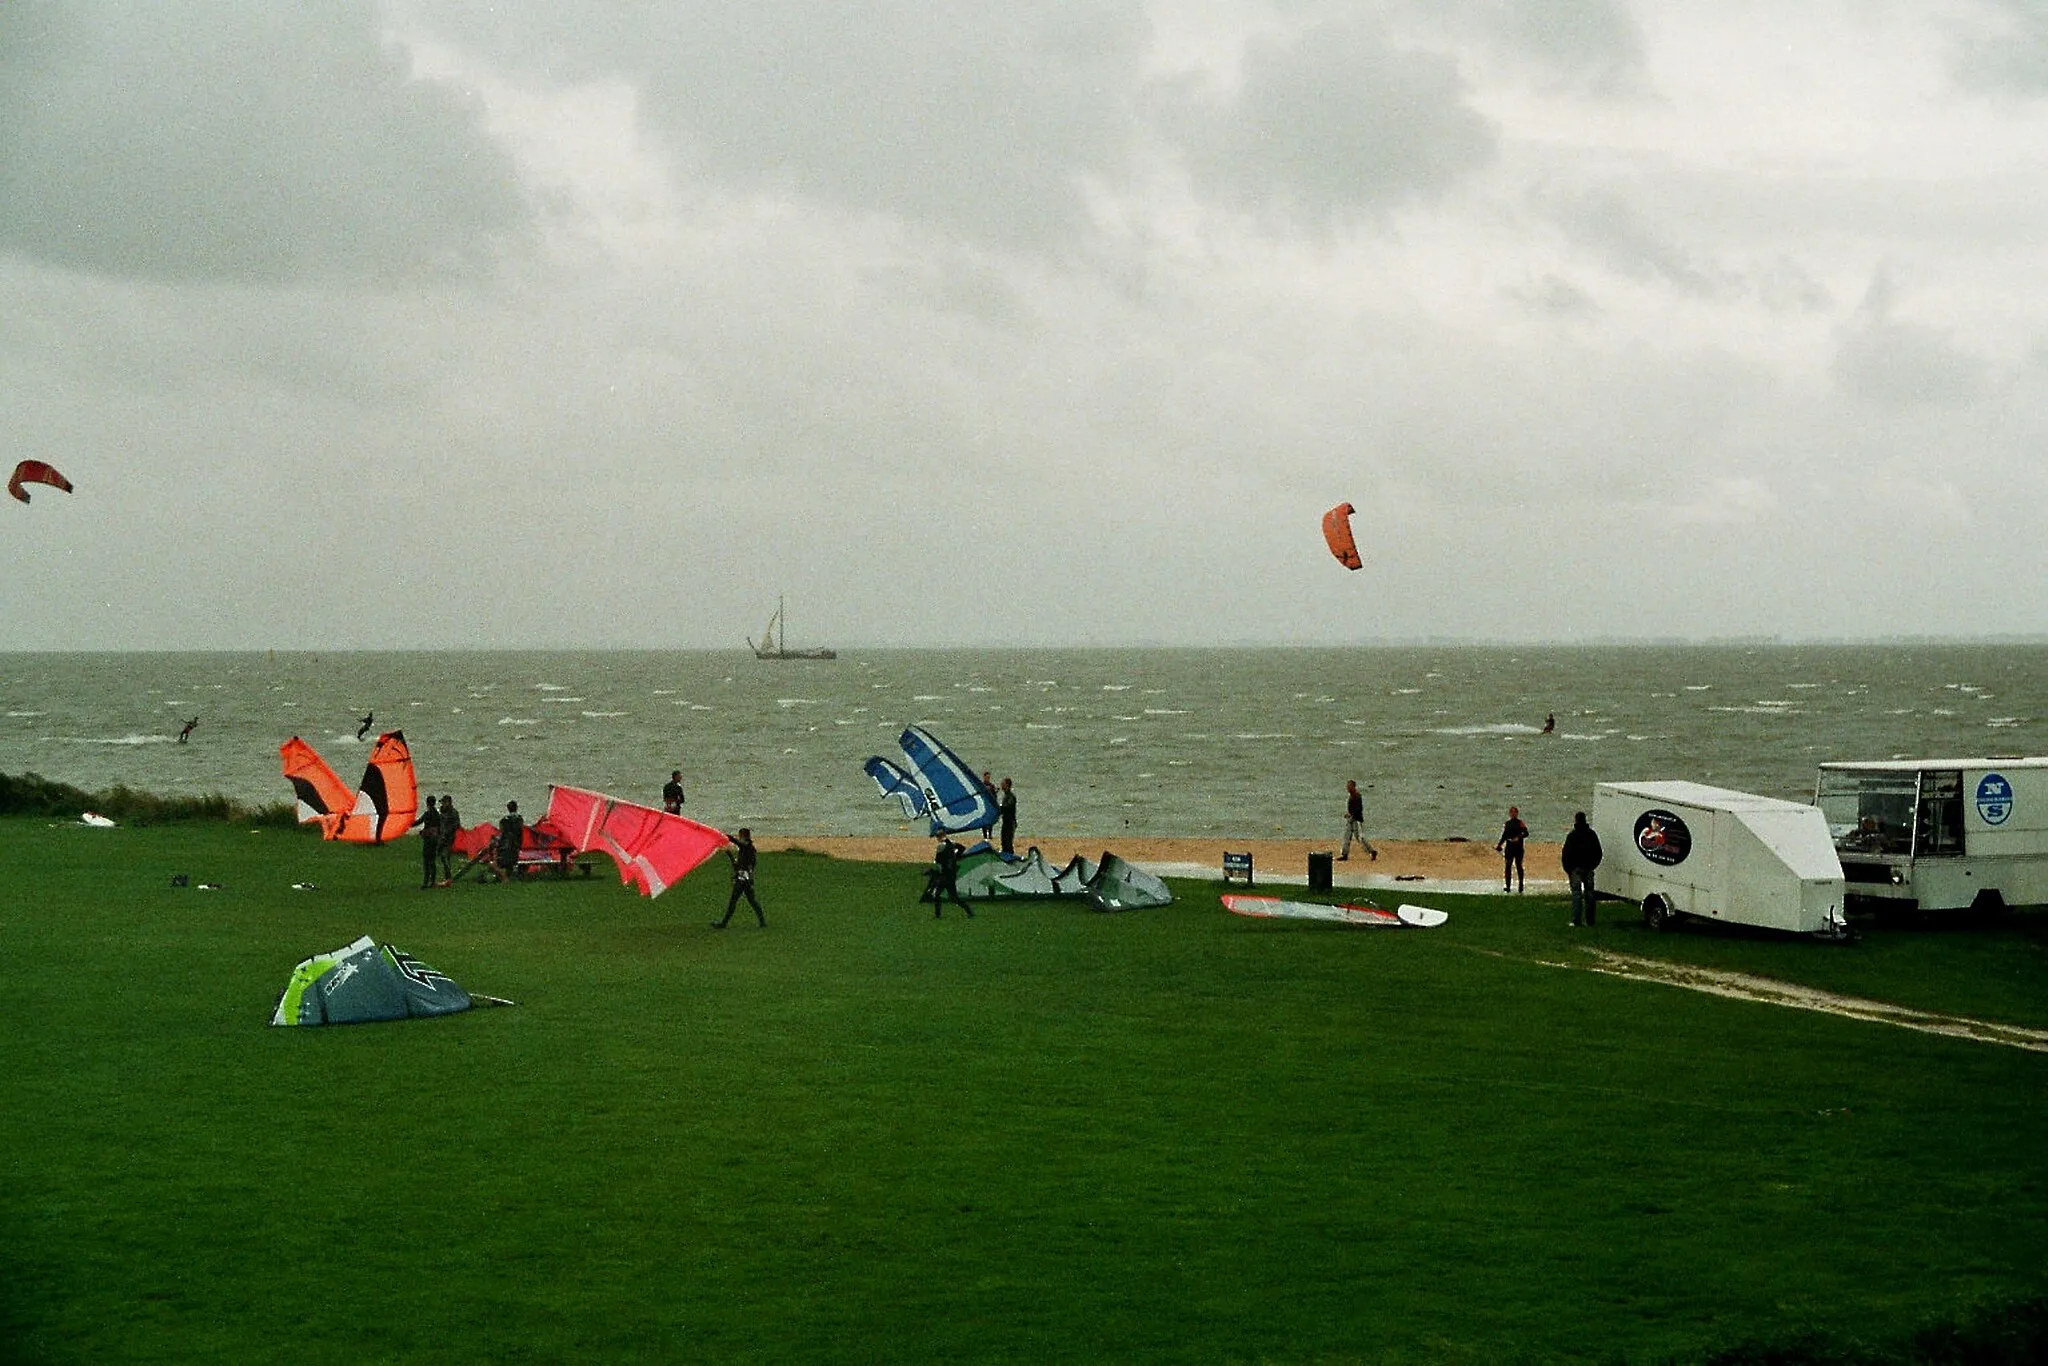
1770	991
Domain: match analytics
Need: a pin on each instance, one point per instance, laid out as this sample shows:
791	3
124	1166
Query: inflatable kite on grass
35	472
367	981
381	809
1337	531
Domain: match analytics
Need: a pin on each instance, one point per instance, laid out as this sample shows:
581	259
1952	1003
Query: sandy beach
1425	865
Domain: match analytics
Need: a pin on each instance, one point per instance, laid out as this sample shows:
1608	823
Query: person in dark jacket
511	834
430	842
451	826
1581	857
943	879
1006	810
744	856
672	793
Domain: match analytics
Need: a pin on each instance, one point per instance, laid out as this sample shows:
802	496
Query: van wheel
1657	913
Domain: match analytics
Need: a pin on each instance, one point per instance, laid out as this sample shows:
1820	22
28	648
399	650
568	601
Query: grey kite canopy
368	981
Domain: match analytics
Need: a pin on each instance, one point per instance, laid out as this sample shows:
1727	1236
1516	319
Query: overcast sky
526	323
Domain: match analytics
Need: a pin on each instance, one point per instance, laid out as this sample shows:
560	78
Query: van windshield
1869	812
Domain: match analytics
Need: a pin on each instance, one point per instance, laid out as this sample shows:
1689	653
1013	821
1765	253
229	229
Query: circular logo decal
1661	837
1994	799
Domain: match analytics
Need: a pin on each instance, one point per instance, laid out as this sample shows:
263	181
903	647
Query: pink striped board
1367	917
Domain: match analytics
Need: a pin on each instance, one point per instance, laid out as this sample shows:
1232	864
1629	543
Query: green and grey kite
368	981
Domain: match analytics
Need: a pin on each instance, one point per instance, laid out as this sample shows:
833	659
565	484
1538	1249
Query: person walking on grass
430	842
942	880
1354	822
1513	836
743	856
451	826
1581	857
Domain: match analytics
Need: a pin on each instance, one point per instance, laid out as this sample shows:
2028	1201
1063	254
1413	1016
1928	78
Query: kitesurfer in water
942	880
186	733
1512	837
1550	723
1006	810
511	832
430	843
363	726
672	793
743	856
451	826
1354	822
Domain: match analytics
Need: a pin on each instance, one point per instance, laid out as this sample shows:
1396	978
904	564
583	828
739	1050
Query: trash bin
1320	874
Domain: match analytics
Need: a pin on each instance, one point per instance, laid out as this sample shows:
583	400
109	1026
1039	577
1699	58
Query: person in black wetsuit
743	856
363	726
672	793
942	880
1006	809
1512	837
430	842
451	826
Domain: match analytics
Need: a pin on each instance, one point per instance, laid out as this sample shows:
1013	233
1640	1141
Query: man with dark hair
1006	809
1513	836
942	880
511	832
743	856
1354	821
672	793
1581	857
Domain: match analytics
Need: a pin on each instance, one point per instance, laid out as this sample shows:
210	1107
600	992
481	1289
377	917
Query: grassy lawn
1042	1135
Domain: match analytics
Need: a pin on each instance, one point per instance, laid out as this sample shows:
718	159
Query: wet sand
1443	865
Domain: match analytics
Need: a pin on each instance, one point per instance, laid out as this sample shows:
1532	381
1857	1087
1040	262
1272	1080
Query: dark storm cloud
1331	124
246	141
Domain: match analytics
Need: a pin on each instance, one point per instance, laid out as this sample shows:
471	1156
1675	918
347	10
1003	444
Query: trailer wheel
1657	912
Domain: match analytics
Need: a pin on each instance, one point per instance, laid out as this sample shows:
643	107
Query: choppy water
1245	743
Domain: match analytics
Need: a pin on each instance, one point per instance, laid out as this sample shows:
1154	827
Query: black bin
1320	874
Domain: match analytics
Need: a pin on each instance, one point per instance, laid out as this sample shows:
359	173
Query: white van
1685	849
1940	834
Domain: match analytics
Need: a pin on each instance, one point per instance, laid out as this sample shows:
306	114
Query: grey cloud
237	141
1901	364
1593	44
1331	124
980	121
2005	48
1613	231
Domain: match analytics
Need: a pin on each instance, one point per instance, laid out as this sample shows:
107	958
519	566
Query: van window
1940	829
1870	812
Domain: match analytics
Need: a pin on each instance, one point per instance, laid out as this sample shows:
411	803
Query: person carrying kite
511	833
744	856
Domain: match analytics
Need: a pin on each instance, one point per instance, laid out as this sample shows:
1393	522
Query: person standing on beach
988	786
743	856
943	879
451	826
1006	809
1354	821
1512	837
672	793
430	843
1581	857
511	833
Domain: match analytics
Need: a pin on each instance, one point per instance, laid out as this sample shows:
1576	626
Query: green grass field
1043	1135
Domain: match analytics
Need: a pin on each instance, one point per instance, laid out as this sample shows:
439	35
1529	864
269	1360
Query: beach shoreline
1424	865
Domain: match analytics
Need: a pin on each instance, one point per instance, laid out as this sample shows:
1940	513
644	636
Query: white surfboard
1368	917
96	820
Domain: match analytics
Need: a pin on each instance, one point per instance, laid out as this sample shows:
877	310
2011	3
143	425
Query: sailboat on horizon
774	644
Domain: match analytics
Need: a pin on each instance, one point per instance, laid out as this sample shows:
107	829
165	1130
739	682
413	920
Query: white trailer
1685	849
1940	834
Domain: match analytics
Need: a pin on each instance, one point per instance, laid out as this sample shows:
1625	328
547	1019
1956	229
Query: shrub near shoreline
31	794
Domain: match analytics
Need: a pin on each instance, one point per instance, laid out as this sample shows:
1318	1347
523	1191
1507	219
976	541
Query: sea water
1244	743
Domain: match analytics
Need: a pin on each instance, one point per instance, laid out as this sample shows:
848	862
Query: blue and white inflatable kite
938	785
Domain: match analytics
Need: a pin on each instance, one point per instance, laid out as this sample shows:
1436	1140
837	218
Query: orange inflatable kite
1337	531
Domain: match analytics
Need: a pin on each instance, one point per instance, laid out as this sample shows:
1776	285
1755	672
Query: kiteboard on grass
1369	917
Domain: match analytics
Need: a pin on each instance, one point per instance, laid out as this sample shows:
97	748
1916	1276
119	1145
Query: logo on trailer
1661	837
1994	799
